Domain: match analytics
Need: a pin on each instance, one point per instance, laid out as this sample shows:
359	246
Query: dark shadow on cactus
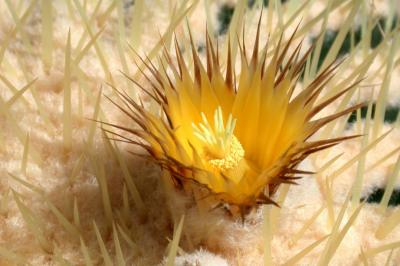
352	38
251	3
391	113
377	35
377	195
224	16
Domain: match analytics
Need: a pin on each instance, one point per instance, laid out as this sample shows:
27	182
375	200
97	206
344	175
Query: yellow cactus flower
238	135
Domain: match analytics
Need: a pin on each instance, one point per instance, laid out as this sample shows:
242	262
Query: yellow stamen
222	149
232	159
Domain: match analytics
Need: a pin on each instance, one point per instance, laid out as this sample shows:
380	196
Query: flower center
221	148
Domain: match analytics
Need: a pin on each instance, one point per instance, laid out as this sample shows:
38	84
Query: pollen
220	147
232	159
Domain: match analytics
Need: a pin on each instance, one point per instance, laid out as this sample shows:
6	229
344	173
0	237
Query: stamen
232	159
222	149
